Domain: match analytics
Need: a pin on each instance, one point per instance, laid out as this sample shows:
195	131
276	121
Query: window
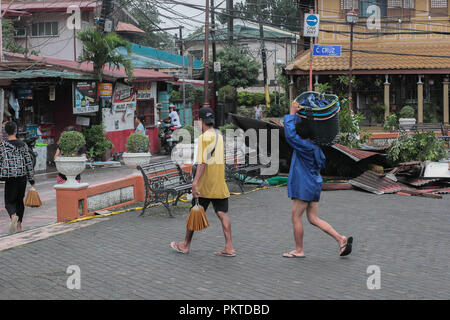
349	4
20	32
401	8
438	7
365	4
42	29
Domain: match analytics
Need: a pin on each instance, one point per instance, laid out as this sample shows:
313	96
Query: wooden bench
164	181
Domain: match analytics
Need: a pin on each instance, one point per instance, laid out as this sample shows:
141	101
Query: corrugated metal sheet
378	184
139	74
355	154
44	73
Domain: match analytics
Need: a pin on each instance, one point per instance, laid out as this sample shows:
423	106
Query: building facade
399	56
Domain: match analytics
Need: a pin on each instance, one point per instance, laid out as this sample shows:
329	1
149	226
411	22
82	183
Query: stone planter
132	160
71	167
406	123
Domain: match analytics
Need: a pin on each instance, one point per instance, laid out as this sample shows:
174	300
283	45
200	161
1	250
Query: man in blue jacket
305	183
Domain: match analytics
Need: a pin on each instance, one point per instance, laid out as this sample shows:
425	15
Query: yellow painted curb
157	205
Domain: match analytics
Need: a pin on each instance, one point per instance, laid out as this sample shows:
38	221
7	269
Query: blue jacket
305	181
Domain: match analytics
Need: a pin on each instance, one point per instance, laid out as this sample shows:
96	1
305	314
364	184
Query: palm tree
101	50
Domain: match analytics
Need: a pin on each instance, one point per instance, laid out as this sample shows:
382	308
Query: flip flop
291	255
175	247
225	254
348	247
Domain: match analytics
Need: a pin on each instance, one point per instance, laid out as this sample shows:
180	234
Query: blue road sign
312	20
326	50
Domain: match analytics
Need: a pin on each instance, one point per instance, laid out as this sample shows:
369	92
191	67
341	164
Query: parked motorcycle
165	135
31	143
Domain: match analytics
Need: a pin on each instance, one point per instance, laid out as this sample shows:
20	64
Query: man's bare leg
226	227
186	244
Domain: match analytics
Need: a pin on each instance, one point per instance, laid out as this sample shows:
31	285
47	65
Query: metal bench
243	167
164	181
430	127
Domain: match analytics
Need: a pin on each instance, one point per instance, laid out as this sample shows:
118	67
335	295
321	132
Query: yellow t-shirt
212	184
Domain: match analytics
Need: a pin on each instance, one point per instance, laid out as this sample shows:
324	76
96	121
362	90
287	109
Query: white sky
188	17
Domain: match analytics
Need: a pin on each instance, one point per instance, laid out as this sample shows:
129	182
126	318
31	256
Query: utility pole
107	7
183	76
1	38
213	37
206	57
230	22
263	56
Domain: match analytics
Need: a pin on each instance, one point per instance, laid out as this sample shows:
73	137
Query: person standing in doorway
16	170
305	183
209	184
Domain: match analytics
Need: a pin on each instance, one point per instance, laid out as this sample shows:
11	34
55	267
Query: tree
9	44
146	13
237	68
279	13
101	50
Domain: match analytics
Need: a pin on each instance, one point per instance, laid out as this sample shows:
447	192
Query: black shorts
218	204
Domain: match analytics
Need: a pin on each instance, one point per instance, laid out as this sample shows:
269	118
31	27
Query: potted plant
69	164
137	151
407	117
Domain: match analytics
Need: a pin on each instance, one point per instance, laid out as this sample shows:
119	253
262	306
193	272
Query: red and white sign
124	97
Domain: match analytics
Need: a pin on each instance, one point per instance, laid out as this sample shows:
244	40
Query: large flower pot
70	167
132	160
406	123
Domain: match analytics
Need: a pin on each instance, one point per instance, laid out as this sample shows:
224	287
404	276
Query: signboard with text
323	50
311	25
124	97
85	97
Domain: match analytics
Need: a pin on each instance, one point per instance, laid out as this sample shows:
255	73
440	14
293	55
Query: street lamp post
352	18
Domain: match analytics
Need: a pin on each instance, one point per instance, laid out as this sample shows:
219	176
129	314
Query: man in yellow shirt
209	184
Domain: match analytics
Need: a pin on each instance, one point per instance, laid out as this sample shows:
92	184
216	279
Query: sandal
347	246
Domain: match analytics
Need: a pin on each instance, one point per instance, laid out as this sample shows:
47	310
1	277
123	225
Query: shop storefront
42	104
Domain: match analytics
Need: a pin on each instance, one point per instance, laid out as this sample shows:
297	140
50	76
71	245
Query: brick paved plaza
128	257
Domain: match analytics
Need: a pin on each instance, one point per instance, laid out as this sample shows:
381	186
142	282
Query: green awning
44	73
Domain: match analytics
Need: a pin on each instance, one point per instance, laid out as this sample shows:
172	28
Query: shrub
407	112
417	147
175	96
137	143
96	142
351	134
377	113
223	129
391	123
276	110
227	93
246	112
70	142
191	132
